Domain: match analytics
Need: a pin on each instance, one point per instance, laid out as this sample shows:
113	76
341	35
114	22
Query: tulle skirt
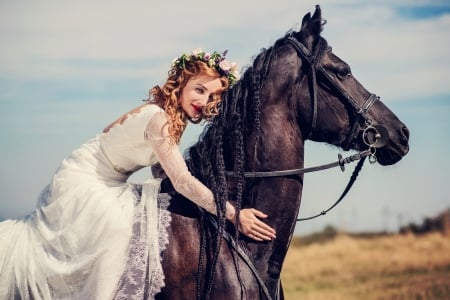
93	235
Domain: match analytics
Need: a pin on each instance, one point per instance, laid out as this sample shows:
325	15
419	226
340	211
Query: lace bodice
124	144
142	139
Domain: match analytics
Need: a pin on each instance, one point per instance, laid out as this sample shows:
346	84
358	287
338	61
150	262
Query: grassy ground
383	267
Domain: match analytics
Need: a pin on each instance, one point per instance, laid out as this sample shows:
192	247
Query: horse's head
330	104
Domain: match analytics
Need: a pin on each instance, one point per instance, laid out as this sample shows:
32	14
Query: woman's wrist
230	212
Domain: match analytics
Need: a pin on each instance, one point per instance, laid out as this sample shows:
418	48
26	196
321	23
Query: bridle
373	135
360	111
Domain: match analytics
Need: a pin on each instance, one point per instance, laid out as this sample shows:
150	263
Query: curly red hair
168	95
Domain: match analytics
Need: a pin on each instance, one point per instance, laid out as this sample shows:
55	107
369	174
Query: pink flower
225	65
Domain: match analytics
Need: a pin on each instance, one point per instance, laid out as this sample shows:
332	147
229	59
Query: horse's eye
344	72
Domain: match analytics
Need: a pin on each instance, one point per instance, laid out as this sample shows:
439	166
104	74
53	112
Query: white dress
94	235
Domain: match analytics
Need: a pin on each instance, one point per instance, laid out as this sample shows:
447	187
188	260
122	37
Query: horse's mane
206	159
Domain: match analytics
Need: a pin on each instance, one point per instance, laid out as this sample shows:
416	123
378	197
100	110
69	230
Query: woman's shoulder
152	107
145	111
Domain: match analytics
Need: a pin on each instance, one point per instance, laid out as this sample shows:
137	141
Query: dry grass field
378	267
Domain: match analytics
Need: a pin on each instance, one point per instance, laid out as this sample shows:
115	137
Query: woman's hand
253	227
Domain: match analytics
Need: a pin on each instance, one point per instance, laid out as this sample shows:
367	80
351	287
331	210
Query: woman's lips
198	109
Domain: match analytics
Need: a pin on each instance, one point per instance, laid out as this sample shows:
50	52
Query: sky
69	68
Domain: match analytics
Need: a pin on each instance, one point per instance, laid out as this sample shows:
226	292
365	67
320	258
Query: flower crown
213	60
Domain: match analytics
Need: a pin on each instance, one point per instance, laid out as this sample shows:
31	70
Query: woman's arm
173	164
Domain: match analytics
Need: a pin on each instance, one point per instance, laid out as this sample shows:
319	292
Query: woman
96	236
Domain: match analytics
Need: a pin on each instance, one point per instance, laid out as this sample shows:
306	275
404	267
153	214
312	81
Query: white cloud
41	37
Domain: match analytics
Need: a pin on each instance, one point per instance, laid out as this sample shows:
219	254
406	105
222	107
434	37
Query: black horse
297	89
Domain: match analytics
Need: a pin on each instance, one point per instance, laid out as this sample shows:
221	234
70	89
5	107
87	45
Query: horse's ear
305	21
311	27
317	15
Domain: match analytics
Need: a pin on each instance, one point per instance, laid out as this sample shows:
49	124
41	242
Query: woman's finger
258	213
262	227
262	233
255	237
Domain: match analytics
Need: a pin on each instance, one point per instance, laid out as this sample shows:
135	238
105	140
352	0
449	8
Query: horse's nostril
405	132
404	137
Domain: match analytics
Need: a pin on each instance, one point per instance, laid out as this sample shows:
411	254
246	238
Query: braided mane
206	159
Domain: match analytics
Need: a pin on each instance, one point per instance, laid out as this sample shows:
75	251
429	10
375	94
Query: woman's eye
199	90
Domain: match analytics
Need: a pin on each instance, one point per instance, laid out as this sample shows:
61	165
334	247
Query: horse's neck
279	197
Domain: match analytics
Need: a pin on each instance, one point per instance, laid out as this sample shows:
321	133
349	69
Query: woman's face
196	94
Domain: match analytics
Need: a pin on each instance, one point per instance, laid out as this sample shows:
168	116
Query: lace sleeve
172	161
